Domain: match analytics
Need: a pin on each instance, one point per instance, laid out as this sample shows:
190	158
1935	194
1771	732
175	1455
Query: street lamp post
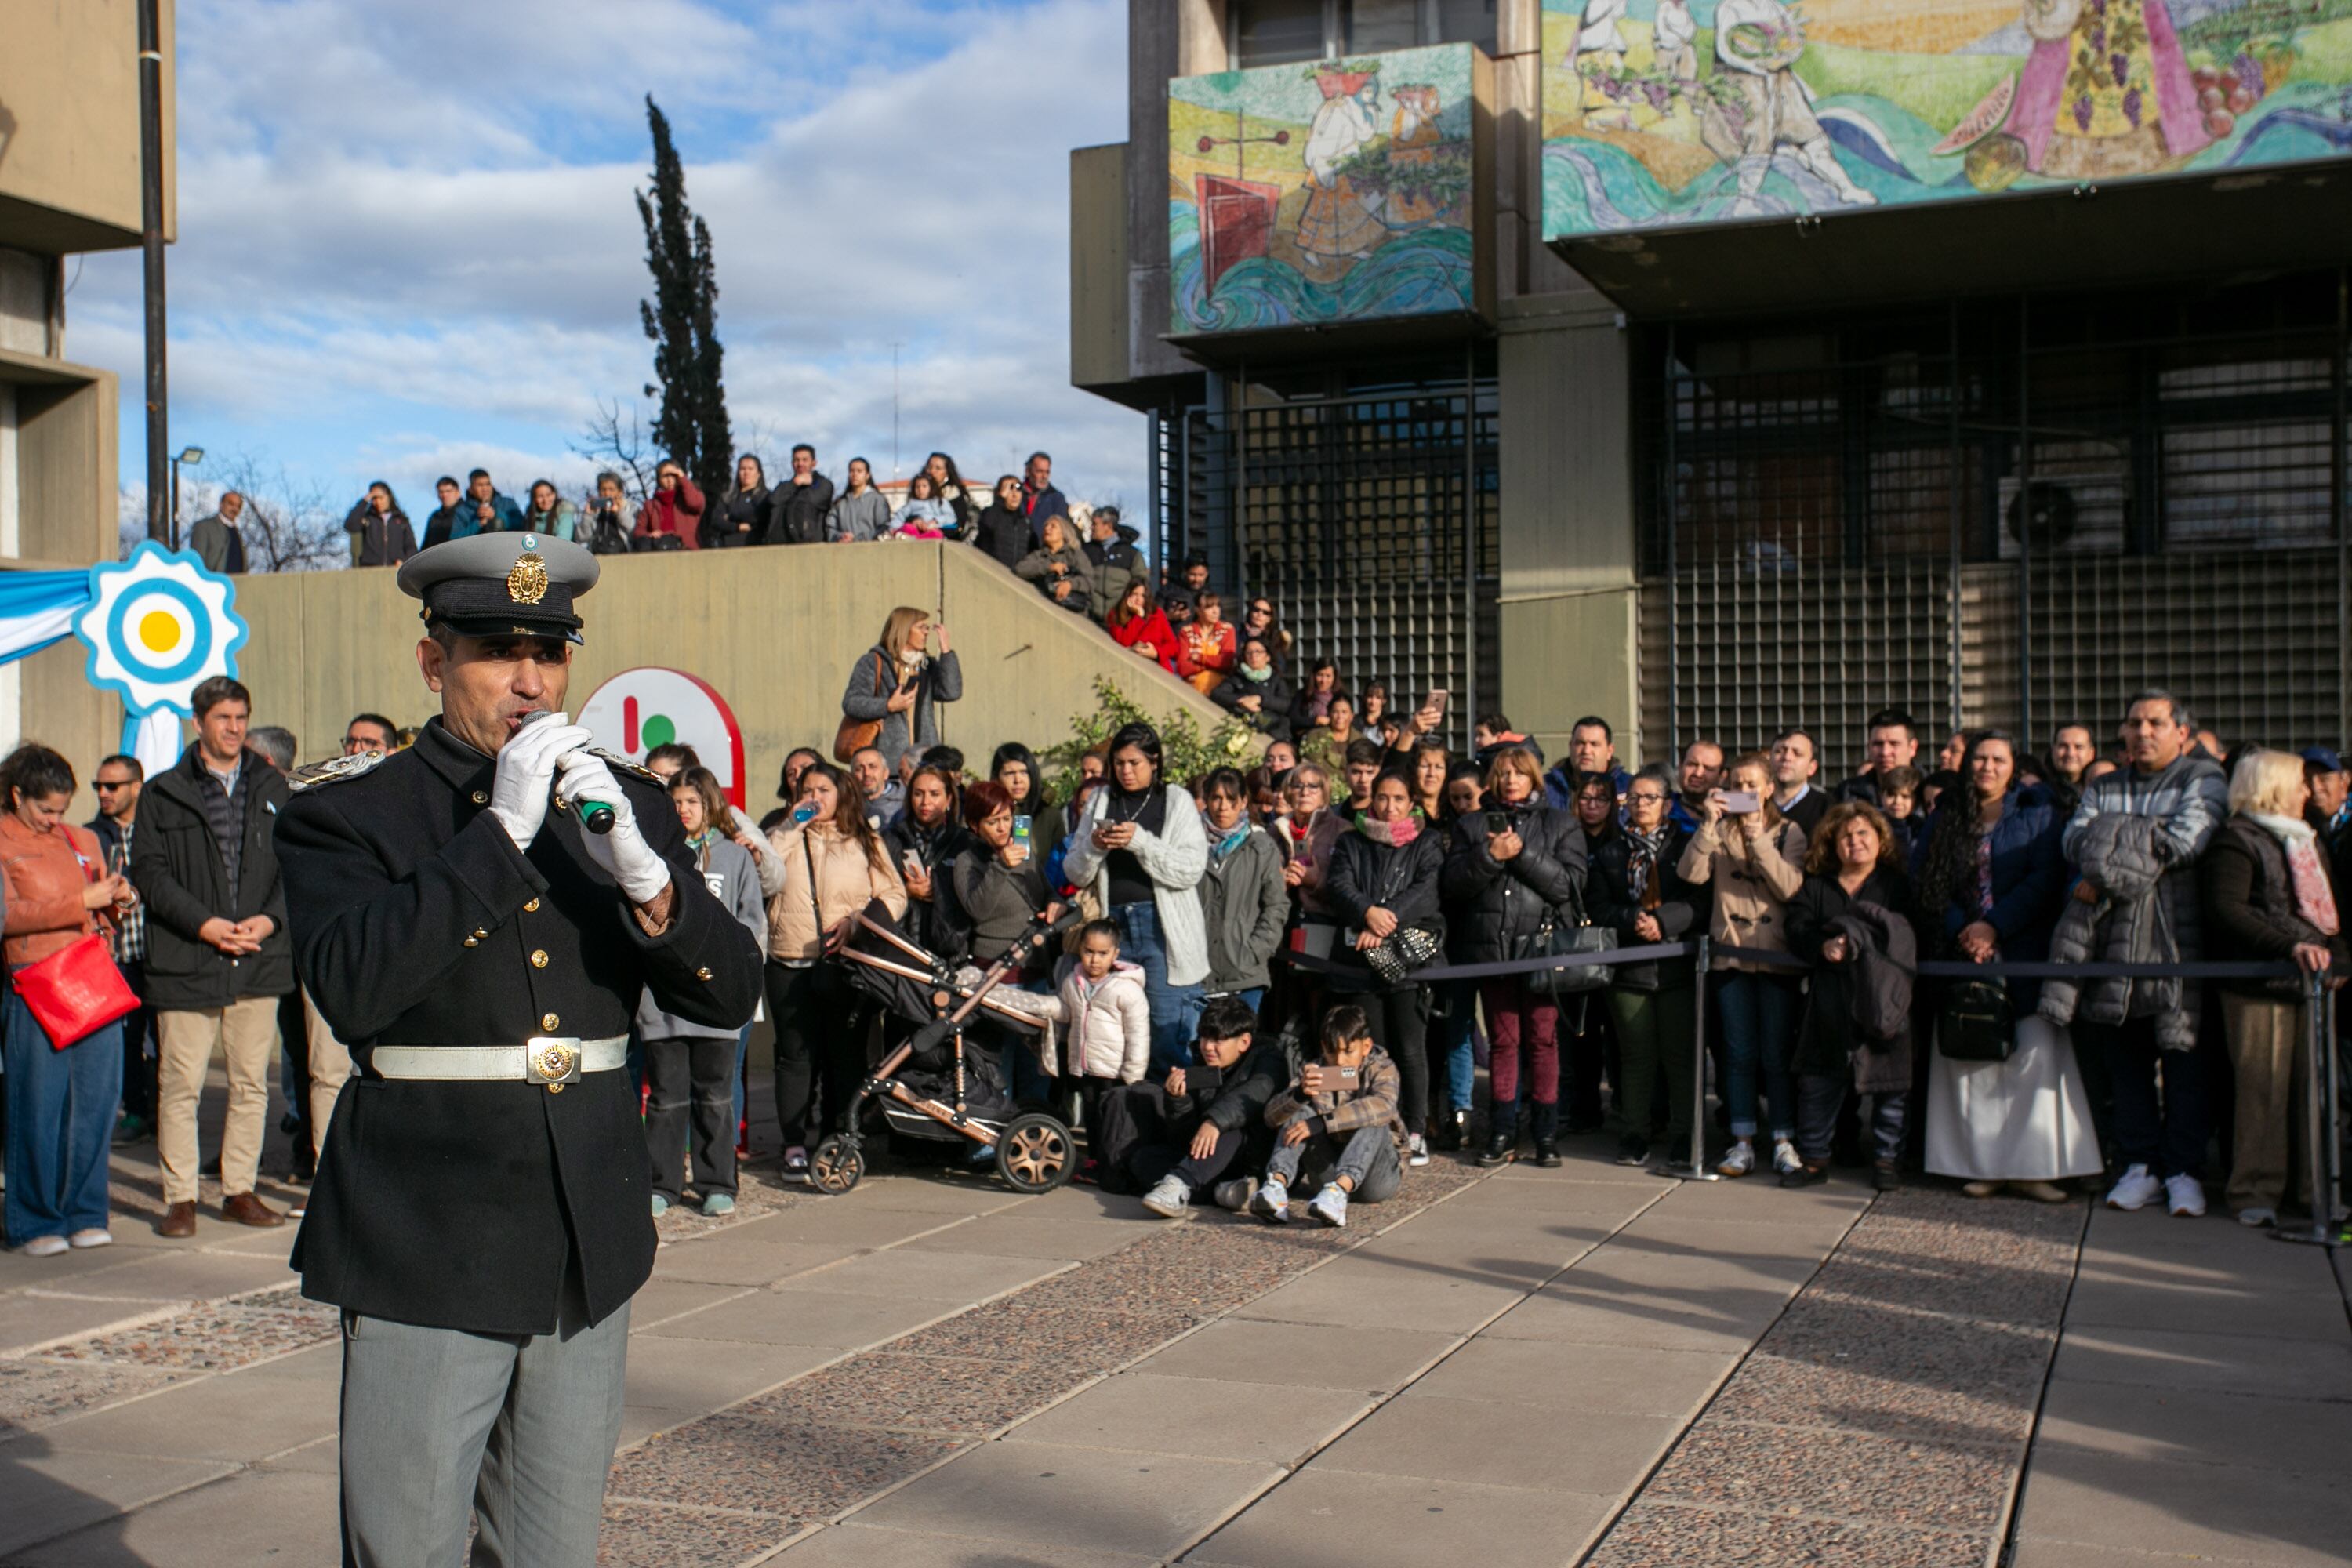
191	457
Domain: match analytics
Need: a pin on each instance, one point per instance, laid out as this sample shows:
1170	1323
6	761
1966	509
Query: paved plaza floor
1523	1367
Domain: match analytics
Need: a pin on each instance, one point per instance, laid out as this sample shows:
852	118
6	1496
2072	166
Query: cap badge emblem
526	582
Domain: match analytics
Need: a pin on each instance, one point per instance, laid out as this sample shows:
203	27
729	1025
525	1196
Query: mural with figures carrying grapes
1674	111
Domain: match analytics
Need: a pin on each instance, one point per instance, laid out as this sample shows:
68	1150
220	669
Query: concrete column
1569	598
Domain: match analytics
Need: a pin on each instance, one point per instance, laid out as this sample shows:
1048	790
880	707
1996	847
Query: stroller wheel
1033	1153
836	1166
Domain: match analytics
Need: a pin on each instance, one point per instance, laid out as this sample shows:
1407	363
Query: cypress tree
682	321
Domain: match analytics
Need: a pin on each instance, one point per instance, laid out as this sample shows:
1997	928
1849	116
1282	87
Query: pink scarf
1396	834
2313	900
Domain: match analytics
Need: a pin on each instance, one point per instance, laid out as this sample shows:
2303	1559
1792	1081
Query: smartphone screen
1740	801
1020	828
1438	697
1496	823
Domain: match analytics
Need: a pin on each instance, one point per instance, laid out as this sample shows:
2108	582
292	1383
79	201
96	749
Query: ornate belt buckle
553	1061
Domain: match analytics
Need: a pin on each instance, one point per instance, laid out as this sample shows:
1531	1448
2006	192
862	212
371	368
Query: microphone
594	815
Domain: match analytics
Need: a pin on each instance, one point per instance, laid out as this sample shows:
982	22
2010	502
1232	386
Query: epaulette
621	764
334	769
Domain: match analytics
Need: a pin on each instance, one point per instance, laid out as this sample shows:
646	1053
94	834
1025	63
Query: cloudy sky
407	242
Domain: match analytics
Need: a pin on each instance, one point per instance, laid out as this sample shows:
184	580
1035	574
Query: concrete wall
1098	269
1568	599
774	631
70	124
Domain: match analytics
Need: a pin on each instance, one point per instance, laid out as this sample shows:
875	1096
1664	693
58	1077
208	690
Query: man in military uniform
483	1211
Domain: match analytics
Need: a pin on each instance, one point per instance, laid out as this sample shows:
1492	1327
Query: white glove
526	775
624	853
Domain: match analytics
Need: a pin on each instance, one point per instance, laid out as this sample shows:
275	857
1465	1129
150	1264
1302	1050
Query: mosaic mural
1342	191
1669	112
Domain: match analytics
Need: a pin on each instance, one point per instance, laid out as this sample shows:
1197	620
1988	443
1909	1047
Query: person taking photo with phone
891	702
1337	1134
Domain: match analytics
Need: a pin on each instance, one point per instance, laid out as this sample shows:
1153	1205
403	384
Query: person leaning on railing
1636	889
1990	883
2268	895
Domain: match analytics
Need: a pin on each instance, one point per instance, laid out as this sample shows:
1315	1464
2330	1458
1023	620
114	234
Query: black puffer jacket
1610	901
1492	906
935	923
1366	875
2250	909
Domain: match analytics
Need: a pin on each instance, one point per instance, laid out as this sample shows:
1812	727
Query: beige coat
1752	883
846	881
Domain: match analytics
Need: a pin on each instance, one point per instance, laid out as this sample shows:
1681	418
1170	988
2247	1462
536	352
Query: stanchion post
1698	1171
2318	1123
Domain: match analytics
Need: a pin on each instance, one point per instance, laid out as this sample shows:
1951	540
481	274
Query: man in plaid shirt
118	783
1340	1134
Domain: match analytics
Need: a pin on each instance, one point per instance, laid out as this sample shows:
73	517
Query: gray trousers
1368	1159
519	1428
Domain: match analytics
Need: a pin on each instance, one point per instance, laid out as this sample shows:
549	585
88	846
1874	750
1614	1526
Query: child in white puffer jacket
1105	1019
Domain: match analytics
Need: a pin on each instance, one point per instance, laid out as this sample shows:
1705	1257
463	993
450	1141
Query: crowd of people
1246	1014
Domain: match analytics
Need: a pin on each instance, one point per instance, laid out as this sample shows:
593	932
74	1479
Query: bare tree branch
616	438
289	525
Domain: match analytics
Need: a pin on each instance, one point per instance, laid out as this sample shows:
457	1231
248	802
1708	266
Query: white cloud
419	218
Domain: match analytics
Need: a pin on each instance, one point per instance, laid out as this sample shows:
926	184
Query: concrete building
70	177
1714	366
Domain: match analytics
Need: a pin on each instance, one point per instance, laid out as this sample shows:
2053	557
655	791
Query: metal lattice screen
1370	521
2011	510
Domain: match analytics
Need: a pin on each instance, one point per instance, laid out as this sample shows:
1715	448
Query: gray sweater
734	882
860	517
868	698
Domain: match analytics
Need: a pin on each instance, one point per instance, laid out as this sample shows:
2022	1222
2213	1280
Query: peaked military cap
515	582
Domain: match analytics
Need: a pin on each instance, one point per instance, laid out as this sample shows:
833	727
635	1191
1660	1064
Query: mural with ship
1340	191
1671	111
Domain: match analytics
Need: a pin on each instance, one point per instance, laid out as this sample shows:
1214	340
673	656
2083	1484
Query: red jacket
44	874
681	515
1216	653
1152	628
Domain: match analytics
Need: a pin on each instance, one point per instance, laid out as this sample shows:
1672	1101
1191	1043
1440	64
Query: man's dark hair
1900	780
478	474
948	759
125	759
1034	456
450	480
1892	719
1344	1023
1100	928
1364	748
1494	720
800	446
391	730
210	694
673	751
2064	725
1595	722
2179	709
1107	514
1792	731
1227	1017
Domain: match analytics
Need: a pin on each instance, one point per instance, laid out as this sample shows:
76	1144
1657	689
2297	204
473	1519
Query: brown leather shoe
179	1221
246	1209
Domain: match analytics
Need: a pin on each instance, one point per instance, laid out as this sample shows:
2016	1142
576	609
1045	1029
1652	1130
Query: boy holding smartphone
1339	1135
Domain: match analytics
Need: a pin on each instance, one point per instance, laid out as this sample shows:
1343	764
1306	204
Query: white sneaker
2185	1197
1329	1204
46	1246
1416	1150
1169	1198
2257	1217
2135	1190
1271	1204
661	1205
91	1237
1738	1160
1785	1157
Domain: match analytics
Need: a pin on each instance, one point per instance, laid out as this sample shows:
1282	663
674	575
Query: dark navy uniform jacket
417	922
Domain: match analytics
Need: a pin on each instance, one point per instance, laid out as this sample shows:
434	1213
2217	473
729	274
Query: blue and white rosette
156	627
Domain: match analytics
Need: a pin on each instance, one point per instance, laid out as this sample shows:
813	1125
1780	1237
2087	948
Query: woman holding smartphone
999	886
1508	866
833	864
1755	860
1384	878
924	841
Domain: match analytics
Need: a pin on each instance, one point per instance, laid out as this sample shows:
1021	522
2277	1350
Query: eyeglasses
105	788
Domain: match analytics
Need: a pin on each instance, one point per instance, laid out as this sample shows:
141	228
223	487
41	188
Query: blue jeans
1175	1009
1455	1028
742	1050
1760	1020
60	1115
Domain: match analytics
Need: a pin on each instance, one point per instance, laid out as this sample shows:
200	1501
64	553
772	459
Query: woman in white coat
1140	846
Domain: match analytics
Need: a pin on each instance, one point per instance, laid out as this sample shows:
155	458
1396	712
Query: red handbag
76	991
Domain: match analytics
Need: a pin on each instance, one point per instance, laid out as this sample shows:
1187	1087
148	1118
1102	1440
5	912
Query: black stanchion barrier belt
1936	969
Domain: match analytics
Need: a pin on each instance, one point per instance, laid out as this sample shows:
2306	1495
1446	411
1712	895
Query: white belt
552	1059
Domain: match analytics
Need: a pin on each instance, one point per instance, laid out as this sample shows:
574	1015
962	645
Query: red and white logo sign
649	706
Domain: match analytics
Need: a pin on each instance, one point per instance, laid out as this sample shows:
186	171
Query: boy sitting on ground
1173	1139
1340	1136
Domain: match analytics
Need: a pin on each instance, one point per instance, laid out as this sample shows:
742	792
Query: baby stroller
931	1086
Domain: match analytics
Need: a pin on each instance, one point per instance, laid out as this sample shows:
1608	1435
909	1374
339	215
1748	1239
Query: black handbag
1401	951
1558	938
1976	1023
